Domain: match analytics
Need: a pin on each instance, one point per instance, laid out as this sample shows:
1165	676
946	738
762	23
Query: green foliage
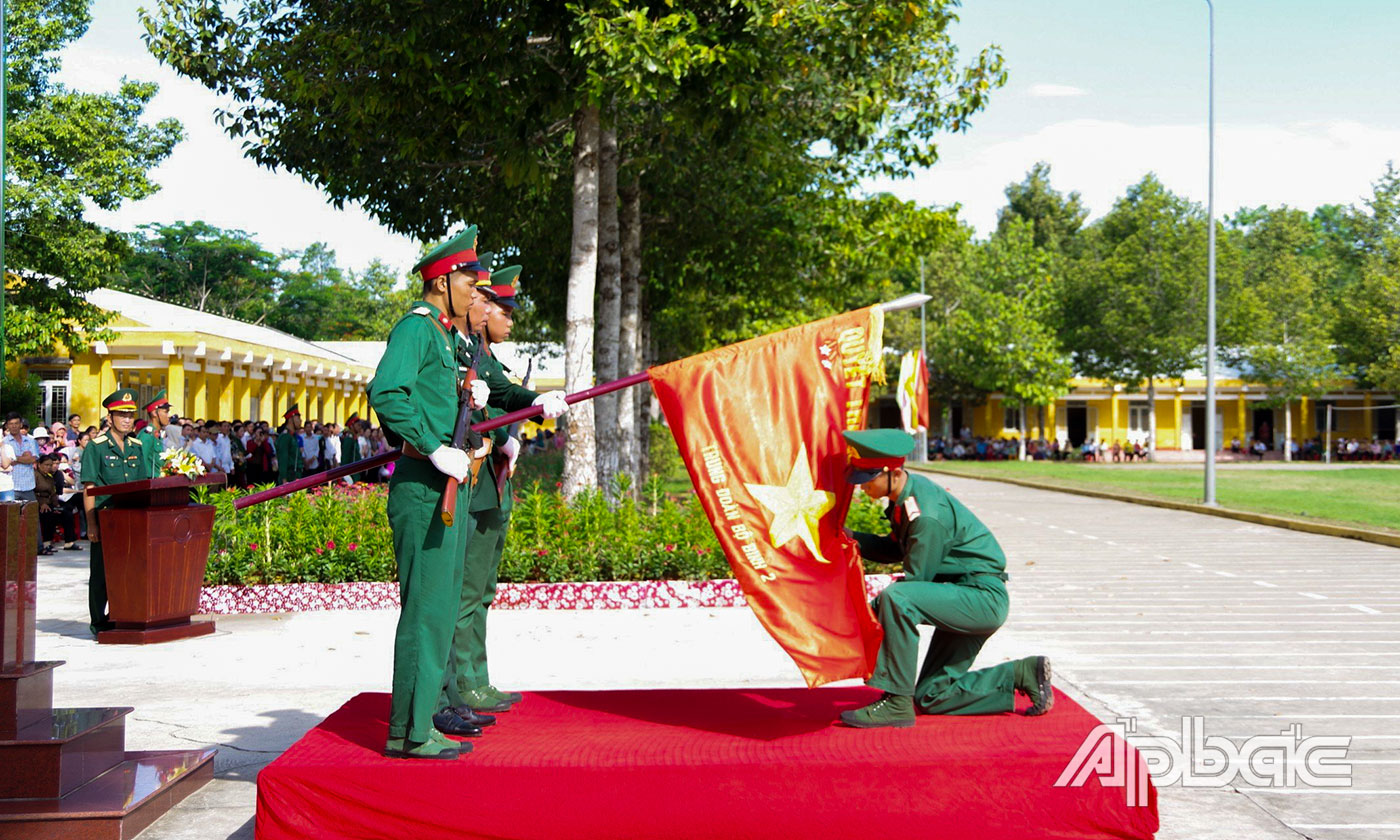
200	266
1368	324
22	394
338	533
1054	217
1135	304
1278	314
64	150
332	534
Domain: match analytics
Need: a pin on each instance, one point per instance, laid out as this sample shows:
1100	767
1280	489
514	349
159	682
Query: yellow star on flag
797	506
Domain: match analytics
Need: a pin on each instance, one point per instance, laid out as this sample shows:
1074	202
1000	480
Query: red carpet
763	763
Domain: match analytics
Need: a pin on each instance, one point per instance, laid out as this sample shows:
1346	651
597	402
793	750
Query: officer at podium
114	457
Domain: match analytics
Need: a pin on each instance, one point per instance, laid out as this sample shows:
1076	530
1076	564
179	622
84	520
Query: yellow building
214	368
1094	409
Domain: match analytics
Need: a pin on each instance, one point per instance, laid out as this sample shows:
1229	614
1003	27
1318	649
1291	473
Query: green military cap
291	412
158	401
875	450
122	399
457	253
504	285
487	259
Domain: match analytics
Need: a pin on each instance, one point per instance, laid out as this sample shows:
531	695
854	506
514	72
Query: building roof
160	316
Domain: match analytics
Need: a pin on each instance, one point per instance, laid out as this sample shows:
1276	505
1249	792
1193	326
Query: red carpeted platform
733	764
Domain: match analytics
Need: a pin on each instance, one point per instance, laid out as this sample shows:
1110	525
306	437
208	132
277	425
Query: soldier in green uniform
349	446
113	457
468	683
290	462
415	393
157	418
954	580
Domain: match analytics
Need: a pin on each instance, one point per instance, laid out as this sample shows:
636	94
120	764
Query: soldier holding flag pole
415	392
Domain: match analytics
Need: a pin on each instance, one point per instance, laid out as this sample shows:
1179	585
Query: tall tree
370	101
1368	326
1279	318
1134	299
1054	217
203	267
65	149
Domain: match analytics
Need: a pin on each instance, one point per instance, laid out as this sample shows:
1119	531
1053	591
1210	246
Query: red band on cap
876	463
437	268
157	404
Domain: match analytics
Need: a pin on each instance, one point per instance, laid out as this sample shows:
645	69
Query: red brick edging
594	595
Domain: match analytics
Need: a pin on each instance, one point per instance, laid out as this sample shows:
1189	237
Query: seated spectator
1259	449
1235	445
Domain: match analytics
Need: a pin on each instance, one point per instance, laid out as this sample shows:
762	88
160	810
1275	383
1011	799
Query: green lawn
1360	496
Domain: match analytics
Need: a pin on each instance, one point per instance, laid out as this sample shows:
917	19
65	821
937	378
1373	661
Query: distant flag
912	392
759	426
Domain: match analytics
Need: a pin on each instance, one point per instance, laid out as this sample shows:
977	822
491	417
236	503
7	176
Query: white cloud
1054	91
1301	165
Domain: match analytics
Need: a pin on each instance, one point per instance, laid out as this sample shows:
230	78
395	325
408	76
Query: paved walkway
1149	613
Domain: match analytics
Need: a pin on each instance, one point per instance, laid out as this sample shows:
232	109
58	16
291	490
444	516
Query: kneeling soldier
955	581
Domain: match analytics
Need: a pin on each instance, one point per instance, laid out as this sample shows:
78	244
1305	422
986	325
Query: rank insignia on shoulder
911	508
421	310
134	439
100	439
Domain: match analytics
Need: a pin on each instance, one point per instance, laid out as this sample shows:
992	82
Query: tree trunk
646	355
609	299
1040	422
1151	419
1288	430
1021	442
629	360
580	455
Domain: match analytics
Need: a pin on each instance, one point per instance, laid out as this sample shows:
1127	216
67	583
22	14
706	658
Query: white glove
451	462
481	392
553	402
483	451
512	450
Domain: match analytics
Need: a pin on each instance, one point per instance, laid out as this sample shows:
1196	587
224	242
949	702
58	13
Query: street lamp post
1210	270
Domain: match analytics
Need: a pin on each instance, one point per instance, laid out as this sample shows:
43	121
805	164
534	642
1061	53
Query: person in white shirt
173	435
311	446
203	448
7	478
223	453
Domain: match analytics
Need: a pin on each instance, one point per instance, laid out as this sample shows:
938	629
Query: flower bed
592	595
339	534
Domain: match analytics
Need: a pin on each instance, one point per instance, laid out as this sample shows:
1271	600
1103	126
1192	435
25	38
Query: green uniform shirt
349	449
934	535
105	463
506	396
151	448
414	390
290	463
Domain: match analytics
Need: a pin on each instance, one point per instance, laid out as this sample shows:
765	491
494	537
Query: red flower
670	546
320	551
253	546
353	546
540	552
330	544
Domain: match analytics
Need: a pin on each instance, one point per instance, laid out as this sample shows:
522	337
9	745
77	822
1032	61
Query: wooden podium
155	547
65	774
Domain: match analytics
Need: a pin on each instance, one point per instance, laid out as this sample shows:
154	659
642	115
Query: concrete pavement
1148	613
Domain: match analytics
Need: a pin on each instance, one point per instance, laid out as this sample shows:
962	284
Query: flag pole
896	305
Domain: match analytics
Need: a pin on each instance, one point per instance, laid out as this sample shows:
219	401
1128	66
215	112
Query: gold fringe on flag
876	347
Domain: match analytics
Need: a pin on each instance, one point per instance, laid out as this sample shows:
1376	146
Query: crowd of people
967	447
44	464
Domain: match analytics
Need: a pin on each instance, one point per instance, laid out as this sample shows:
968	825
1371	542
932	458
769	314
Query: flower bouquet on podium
181	462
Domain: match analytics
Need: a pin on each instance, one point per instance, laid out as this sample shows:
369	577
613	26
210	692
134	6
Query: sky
1102	90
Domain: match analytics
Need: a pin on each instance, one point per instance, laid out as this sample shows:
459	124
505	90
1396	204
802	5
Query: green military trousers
964	615
466	668
97	586
429	555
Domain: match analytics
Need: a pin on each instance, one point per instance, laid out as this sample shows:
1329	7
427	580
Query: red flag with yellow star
759	425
